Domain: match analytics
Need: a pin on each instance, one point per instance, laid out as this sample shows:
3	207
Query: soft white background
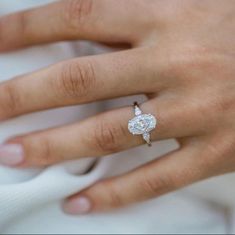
30	199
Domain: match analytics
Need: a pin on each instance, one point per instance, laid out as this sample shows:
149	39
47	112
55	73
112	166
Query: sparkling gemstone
142	124
137	111
146	136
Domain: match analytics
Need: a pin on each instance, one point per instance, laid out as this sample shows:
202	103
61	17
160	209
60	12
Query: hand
182	58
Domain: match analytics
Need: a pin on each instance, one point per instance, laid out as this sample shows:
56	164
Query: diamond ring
142	124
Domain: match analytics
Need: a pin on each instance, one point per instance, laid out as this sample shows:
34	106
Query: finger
83	80
167	174
96	136
103	20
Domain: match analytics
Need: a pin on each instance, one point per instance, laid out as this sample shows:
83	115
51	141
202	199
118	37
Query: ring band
142	124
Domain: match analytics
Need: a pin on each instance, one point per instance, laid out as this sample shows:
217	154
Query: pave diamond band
142	124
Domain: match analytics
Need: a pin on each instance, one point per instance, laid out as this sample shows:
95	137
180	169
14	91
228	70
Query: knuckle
192	58
107	136
2	36
114	196
23	24
39	151
219	150
187	175
21	28
218	104
154	186
9	100
76	12
203	113
75	79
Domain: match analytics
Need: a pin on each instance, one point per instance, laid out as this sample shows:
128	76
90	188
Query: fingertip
11	154
77	206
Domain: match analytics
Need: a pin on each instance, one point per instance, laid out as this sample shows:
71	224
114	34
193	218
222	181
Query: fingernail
11	154
77	206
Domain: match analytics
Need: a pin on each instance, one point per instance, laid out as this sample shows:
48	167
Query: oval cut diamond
142	123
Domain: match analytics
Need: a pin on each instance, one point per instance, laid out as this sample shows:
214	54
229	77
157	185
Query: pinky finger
173	171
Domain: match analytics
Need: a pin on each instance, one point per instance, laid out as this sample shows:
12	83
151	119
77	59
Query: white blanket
30	199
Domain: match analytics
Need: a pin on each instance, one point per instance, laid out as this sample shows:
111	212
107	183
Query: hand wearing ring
180	54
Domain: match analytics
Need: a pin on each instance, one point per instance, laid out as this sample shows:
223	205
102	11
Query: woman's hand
182	58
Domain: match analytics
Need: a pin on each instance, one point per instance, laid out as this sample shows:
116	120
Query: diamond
146	137
137	111
142	123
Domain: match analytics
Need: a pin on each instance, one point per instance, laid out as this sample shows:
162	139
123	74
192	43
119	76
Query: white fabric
30	199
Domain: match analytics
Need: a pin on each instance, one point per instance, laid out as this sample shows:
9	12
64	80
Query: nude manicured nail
11	154
80	205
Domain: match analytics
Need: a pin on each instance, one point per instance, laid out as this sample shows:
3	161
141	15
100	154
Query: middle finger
85	80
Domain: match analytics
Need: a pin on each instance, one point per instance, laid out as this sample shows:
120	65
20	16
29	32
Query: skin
181	56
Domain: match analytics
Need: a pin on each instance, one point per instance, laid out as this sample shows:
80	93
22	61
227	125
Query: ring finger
96	136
